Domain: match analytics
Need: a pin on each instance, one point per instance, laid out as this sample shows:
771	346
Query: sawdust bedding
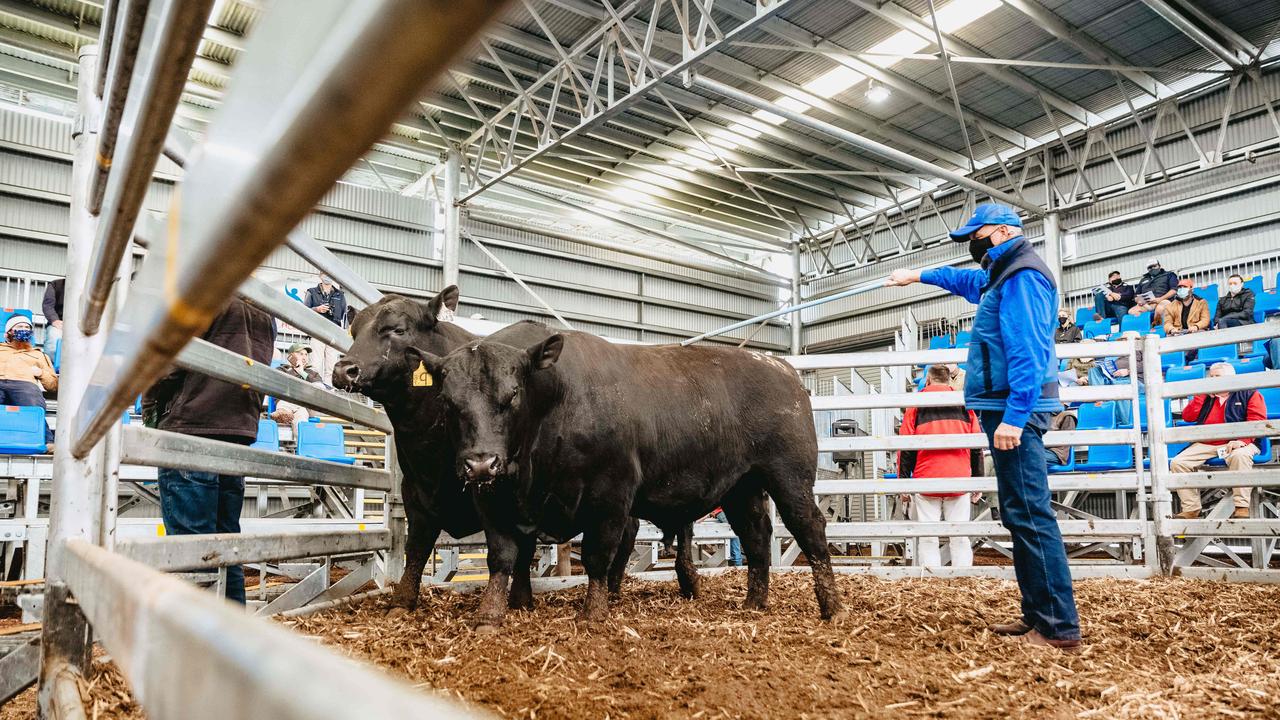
912	648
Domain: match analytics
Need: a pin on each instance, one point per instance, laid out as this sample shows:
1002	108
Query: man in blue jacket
1011	382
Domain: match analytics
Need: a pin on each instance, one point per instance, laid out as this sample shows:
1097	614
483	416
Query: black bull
567	433
434	497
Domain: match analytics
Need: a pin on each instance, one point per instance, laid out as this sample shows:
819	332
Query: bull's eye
398	331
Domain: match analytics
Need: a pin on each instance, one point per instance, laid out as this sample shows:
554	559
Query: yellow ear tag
422	378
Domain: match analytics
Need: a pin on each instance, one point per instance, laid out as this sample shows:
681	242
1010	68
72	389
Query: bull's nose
481	465
347	370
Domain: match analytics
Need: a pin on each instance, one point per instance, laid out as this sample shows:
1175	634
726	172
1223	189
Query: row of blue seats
1266	302
943	342
1176	365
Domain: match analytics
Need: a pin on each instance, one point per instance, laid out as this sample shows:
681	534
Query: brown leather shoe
1188	515
1035	638
1016	627
1240	514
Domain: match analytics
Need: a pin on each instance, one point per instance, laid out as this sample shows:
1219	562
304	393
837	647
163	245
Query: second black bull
565	433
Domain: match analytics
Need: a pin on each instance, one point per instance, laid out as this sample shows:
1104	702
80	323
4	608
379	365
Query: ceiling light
877	93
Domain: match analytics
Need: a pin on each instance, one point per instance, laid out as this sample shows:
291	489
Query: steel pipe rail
158	448
1257	477
975	441
955	398
288	129
106	43
1226	383
165	51
182	553
838	531
163	633
206	358
318	255
1222	431
1089	482
120	66
1225	528
863	288
1228	336
257	293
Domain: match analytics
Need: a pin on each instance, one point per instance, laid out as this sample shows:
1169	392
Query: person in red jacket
1241	406
932	507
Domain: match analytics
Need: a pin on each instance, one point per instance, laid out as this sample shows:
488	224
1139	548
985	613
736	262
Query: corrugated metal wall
388	239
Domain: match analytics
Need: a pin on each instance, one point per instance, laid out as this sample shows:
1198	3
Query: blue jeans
199	503
25	394
735	545
1039	557
1107	309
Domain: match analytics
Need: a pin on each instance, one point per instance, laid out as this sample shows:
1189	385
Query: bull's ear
446	298
417	355
545	354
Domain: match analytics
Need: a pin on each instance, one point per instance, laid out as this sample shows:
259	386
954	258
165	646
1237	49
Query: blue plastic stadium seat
962	338
1137	323
1209	293
1097	416
1255	284
1257	350
1084	315
1216	354
1069	467
323	441
1186	372
1100	329
1267	303
939	342
1173	359
1271	396
1263	456
1251	365
1107	457
22	430
1157	330
891	476
1142	413
268	436
1062	365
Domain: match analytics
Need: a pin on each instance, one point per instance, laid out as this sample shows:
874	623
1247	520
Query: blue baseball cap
986	214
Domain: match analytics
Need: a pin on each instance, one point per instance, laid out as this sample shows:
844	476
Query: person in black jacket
1113	300
1159	282
1236	307
328	300
195	502
1067	331
52	308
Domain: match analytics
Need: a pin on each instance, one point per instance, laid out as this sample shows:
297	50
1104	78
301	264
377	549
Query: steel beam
166	48
159	448
287	130
1187	27
451	238
184	553
162	633
796	299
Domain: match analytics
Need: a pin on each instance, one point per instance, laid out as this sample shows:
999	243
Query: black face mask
1062	321
1154	271
1117	282
978	248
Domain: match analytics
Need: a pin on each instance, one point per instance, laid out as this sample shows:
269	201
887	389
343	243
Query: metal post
393	517
76	482
796	341
1160	556
452	219
1053	248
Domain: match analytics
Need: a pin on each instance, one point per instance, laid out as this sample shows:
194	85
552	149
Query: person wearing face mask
1236	307
1012	384
1067	331
1113	300
1161	283
328	300
1189	313
25	371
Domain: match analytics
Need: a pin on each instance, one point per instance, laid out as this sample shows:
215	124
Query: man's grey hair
1223	368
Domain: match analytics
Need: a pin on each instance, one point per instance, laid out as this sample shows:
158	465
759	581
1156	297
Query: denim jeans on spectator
1233	322
1107	309
735	545
1039	557
199	503
21	392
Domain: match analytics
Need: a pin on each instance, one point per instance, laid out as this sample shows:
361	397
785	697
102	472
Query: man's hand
1122	373
1007	437
1193	328
322	309
904	499
57	324
1234	445
1082	380
902	278
36	371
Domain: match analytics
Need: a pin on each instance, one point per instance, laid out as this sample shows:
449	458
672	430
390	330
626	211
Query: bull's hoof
755	604
520	604
689	593
837	617
485	628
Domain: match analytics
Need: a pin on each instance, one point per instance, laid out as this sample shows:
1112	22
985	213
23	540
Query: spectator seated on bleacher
1060	456
958	462
1067	331
298	364
1188	313
25	371
1116	371
1236	307
1113	300
1155	290
1240	406
1082	366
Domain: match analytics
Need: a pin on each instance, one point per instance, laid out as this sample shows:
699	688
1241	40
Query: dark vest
1236	410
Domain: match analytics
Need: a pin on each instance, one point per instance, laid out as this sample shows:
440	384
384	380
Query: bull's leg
423	533
747	510
686	571
521	597
620	559
503	551
600	545
793	494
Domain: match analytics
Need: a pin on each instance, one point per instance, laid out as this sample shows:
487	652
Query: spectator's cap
986	214
1186	282
14	321
1153	263
296	347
